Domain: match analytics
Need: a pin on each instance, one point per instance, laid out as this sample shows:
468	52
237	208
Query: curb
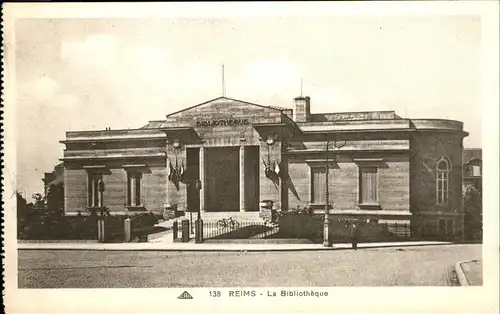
461	275
215	248
177	249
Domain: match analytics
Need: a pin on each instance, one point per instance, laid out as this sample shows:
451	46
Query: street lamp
198	237
102	222
270	141
100	186
326	225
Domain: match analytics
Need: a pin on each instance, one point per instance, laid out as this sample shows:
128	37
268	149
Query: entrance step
238	216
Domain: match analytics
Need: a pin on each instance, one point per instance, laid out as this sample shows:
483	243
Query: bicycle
270	224
228	223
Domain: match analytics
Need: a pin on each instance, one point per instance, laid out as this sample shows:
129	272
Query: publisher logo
185	295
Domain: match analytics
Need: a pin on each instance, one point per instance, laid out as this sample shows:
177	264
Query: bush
301	224
140	221
58	227
143	220
306	210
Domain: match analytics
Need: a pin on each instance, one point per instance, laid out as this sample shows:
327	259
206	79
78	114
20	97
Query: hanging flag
277	168
170	170
181	173
268	171
175	173
265	164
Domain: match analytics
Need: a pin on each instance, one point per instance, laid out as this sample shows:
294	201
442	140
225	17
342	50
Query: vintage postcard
243	157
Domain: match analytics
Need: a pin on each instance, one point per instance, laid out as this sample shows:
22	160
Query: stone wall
153	187
393	182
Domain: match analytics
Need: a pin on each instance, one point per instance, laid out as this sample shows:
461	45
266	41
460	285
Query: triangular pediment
224	108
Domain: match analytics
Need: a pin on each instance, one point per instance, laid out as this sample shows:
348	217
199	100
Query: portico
229	153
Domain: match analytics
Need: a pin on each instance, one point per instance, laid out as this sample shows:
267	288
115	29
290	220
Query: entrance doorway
222	170
193	172
252	178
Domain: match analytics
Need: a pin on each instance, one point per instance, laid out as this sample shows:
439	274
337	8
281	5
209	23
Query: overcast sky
82	74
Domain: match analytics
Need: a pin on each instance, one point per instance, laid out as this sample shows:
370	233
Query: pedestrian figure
354	236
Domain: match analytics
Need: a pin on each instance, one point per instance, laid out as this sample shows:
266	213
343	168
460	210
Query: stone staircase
238	216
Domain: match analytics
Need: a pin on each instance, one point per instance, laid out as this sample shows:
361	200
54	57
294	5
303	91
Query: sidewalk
469	273
205	247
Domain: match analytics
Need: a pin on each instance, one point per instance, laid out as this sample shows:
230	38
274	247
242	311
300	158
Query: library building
224	157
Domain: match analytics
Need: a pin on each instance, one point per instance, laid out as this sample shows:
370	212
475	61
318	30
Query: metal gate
231	229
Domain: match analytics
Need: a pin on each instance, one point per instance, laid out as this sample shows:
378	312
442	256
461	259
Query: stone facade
242	153
427	149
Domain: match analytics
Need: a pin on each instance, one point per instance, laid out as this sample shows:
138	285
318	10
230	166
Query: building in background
390	169
473	169
473	193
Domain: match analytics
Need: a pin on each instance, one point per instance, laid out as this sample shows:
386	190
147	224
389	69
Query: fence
219	230
231	229
227	229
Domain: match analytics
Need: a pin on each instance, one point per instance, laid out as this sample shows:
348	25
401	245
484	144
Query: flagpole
223	83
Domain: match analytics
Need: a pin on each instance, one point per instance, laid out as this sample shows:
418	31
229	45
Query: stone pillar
127	230
242	178
166	203
100	199
202	178
132	192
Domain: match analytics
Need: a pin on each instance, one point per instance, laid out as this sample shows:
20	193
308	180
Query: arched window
442	180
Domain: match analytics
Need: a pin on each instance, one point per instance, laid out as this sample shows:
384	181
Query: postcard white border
353	300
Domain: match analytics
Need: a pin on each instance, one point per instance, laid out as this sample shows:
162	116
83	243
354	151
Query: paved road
366	267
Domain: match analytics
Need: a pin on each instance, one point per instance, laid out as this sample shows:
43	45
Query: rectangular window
93	189
368	185
476	171
134	189
318	185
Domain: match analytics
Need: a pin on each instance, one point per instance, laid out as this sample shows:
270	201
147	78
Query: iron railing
399	230
217	230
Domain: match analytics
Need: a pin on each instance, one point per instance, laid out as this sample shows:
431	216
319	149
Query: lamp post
270	141
100	186
327	242
101	223
198	237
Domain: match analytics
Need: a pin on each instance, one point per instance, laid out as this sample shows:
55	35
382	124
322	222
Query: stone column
202	178
167	183
95	193
242	178
132	188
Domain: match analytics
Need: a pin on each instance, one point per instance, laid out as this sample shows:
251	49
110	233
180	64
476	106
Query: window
442	181
318	186
368	185
476	170
134	189
93	189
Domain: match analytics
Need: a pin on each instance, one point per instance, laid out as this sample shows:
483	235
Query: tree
22	207
39	201
55	199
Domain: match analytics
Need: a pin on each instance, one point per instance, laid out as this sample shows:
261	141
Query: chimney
302	109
